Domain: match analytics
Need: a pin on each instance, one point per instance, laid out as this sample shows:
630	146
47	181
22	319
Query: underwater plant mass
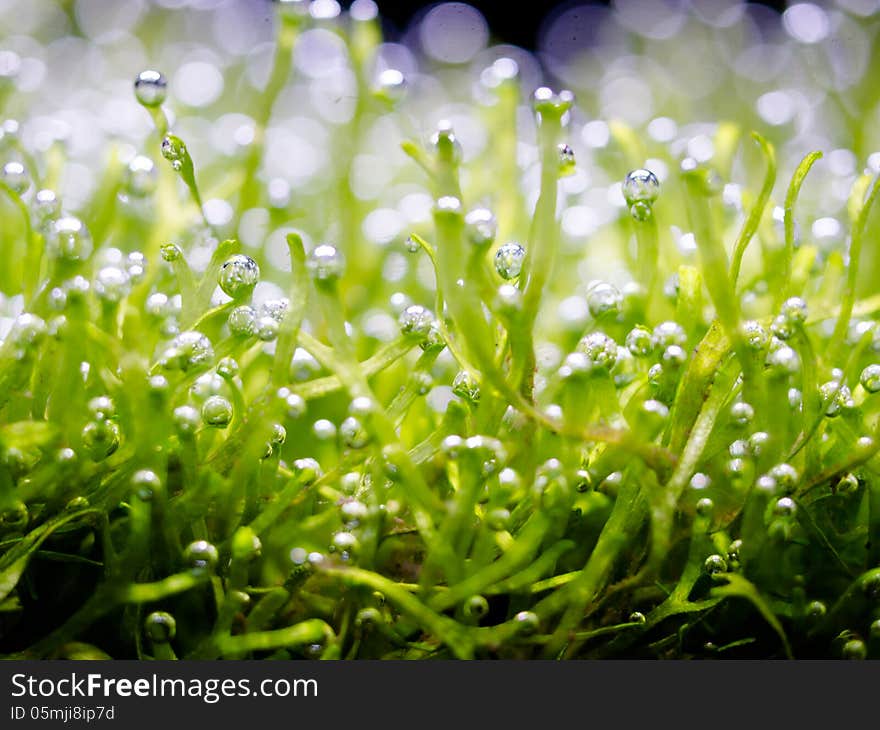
323	340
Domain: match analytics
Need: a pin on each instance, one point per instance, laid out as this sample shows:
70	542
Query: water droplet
324	429
705	507
854	649
567	162
784	507
160	627
742	413
508	300
641	211
227	368
141	177
669	333
481	226
16	177
217	411
201	555
782	327
509	260
758	442
188	350
238	276
411	244
475	608
641	186
150	88
603	299
100	439
466	387
102	408
325	263
69	239
870	378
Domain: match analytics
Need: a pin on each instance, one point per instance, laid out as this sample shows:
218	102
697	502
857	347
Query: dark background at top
513	21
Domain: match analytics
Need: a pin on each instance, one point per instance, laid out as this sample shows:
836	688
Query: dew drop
641	186
100	439
870	378
201	555
141	177
391	85
466	387
353	433
190	349
565	155
16	177
603	299
481	226
160	627
600	350
217	411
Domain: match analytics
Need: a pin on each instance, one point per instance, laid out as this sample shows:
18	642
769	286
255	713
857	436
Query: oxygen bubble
742	413
307	470
69	239
637	617
267	328
715	564
475	607
509	260
600	349
795	398
296	405
217	411
705	507
391	85
498	519
112	284
755	335
303	365
227	368
206	385
735	468
28	331
238	276
15	517
150	88
794	309
416	321
446	144
242	321
854	649
324	429
758	442
782	327
641	211
837	396
783	361
700	481
16	177
160	627
603	299
466	387
102	408
201	555
345	542
733	551
190	349
545	100
46	205
174	150
100	439
480	226
669	333
141	177
146	484
187	420
639	341
353	433
870	378
527	622
325	263
171	252
784	507
641	186
565	155
786	476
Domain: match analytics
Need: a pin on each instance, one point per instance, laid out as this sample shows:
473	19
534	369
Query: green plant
687	469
